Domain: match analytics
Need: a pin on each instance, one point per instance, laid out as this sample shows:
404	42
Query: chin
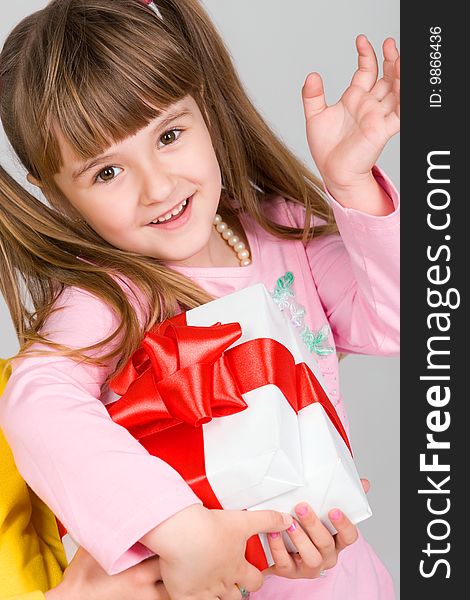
187	256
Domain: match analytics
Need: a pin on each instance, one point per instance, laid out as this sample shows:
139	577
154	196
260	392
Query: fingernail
293	527
287	519
336	515
274	534
301	510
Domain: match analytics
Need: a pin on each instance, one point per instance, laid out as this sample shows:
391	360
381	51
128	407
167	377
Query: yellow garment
30	596
32	557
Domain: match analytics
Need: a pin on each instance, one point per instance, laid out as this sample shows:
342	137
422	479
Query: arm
89	470
32	556
357	275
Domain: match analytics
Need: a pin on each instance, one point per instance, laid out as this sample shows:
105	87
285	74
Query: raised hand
346	139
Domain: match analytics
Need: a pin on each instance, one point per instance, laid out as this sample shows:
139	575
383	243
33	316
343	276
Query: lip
182	219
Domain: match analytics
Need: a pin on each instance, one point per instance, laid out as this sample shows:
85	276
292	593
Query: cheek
210	168
112	214
204	161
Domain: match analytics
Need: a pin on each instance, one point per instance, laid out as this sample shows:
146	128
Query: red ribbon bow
179	374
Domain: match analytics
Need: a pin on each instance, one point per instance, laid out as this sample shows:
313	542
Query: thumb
265	521
313	96
365	485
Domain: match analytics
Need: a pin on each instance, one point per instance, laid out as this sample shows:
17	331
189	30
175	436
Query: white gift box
269	456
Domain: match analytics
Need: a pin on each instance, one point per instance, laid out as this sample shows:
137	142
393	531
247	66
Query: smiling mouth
172	215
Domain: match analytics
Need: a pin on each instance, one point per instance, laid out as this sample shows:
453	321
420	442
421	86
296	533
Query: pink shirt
104	486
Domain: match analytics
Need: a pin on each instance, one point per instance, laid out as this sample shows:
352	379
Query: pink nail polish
336	514
293	527
302	510
274	534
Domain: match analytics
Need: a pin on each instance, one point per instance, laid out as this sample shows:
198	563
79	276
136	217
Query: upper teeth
173	213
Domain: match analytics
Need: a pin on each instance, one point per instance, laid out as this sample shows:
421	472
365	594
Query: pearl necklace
233	240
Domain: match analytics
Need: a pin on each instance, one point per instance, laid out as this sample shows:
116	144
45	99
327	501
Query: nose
158	184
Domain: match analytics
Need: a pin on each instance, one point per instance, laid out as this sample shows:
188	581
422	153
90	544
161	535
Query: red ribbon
182	376
177	375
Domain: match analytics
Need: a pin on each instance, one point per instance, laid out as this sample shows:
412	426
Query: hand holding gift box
228	394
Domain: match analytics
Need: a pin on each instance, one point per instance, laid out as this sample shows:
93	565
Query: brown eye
106	175
170	136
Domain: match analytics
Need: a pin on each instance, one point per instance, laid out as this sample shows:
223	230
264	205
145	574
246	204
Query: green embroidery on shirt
283	295
317	342
282	291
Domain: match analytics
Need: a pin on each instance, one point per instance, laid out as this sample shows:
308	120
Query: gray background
275	45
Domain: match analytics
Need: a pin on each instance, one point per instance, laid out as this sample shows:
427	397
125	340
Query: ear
33	180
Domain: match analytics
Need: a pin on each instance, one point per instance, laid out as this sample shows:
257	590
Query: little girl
132	121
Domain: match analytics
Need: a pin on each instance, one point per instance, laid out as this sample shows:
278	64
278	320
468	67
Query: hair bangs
110	82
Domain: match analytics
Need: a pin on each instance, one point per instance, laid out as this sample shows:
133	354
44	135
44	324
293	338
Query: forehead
67	152
72	159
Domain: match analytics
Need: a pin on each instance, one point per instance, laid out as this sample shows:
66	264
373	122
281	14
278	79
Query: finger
347	532
396	83
384	85
232	594
283	561
365	485
366	74
313	96
318	534
250	578
392	122
264	521
311	557
235	593
390	103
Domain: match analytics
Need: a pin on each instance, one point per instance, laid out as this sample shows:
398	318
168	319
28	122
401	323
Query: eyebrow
171	116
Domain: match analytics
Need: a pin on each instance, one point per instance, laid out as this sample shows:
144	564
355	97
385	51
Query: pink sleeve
100	482
357	275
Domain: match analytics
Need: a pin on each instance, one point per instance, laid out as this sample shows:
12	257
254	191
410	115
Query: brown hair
73	65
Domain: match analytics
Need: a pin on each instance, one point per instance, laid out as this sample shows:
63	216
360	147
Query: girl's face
167	173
